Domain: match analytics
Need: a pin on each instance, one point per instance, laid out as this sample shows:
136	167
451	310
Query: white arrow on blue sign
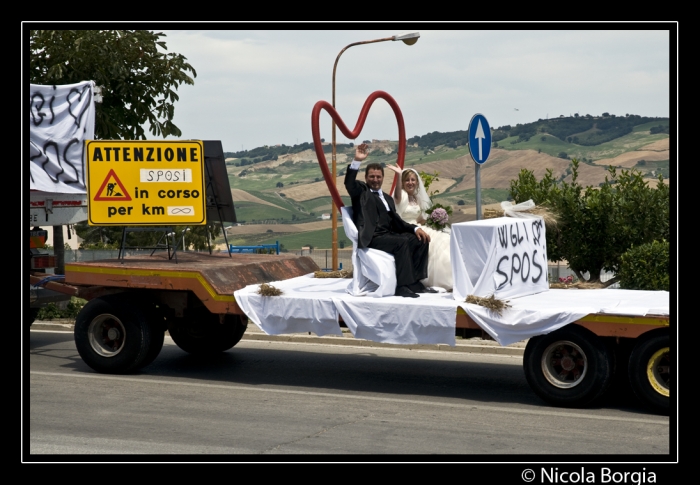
479	138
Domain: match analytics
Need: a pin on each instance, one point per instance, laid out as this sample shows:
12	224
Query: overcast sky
258	87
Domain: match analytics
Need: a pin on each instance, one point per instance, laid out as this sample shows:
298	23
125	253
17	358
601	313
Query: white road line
548	412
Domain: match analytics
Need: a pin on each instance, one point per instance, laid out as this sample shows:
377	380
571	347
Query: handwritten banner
61	118
505	257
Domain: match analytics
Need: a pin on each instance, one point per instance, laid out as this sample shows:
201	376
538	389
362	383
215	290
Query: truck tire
570	367
113	335
201	332
649	371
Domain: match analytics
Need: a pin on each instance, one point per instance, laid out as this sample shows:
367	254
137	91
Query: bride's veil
421	195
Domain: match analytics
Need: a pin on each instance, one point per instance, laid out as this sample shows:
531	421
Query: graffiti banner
505	257
61	118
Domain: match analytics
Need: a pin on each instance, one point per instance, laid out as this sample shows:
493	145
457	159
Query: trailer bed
213	278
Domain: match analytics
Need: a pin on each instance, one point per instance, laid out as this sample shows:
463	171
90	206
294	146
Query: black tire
649	371
570	367
201	332
114	336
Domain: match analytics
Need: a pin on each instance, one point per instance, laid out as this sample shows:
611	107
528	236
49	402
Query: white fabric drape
311	304
61	118
374	271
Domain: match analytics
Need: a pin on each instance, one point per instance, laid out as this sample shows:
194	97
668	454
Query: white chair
373	271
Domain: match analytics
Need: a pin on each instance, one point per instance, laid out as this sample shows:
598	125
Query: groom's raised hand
361	151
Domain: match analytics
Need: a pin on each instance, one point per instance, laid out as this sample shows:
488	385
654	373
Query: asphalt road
298	401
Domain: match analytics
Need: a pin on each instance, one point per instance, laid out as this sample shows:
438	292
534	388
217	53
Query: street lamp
408	38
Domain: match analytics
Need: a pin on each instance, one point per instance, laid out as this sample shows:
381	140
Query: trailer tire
649	371
202	332
570	367
114	336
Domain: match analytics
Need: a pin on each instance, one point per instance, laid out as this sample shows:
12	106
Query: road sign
479	138
151	183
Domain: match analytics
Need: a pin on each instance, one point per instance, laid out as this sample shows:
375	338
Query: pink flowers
438	217
568	280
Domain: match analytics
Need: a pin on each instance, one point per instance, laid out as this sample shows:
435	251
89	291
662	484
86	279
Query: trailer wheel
114	336
202	332
570	367
649	371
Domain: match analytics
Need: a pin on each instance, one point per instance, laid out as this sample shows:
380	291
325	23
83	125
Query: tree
429	179
138	79
279	185
597	225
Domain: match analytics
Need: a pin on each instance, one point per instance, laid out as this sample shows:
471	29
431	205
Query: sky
259	87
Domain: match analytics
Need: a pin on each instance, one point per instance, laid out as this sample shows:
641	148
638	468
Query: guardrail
264	248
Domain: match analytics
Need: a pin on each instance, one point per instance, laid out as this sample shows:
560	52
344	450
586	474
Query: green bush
646	267
52	312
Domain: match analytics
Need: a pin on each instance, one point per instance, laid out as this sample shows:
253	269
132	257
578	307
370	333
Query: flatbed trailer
132	301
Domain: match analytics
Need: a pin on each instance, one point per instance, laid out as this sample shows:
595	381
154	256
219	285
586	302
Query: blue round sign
479	138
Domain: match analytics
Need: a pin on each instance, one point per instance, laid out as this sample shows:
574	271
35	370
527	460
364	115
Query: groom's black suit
385	230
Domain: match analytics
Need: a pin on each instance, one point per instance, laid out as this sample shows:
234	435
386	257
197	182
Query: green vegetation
52	311
646	267
654	169
596	226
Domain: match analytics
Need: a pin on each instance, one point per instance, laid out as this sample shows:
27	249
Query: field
284	199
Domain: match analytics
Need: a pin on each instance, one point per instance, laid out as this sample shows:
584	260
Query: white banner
61	118
505	257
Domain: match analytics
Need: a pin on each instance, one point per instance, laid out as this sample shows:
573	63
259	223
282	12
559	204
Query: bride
412	202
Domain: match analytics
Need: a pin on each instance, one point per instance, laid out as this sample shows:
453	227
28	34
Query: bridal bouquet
438	215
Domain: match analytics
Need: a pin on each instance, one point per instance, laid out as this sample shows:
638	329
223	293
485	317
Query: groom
380	227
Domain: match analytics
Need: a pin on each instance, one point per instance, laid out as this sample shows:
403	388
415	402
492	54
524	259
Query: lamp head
408	38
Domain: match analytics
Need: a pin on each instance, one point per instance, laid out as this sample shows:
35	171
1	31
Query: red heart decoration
352	135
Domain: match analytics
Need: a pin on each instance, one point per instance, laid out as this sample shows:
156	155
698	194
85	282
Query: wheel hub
564	364
106	335
567	363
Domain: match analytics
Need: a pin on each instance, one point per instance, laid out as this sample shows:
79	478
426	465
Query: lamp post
408	38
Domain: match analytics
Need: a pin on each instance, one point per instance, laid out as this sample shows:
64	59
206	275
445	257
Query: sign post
145	183
479	148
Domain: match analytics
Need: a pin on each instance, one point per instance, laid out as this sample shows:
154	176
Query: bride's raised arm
398	188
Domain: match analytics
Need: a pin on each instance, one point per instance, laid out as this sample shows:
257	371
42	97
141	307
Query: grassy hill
280	194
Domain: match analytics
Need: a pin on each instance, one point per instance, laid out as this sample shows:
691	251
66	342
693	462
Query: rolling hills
277	198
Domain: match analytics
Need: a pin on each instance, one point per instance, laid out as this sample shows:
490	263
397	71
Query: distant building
325	217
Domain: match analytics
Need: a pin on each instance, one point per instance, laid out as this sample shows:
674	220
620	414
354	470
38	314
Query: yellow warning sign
132	182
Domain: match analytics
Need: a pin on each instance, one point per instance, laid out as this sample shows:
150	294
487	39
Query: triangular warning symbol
112	189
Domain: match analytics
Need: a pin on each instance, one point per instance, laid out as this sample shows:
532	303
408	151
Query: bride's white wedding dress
439	266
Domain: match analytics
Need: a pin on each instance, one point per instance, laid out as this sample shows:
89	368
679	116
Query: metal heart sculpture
352	135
